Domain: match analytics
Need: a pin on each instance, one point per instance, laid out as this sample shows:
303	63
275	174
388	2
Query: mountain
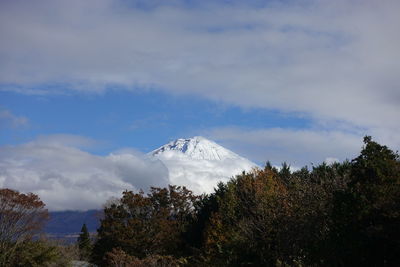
199	163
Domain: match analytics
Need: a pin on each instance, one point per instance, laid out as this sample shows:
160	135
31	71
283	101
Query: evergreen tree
366	216
84	243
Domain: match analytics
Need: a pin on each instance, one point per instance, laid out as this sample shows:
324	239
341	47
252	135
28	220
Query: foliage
84	244
143	225
39	253
366	215
262	217
21	217
339	214
118	258
342	214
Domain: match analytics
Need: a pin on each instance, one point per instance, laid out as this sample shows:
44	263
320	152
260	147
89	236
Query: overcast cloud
331	60
68	178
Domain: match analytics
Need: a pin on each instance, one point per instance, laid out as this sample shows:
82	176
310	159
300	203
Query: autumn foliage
143	225
21	217
22	243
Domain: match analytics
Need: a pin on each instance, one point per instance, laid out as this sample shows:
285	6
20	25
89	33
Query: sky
83	82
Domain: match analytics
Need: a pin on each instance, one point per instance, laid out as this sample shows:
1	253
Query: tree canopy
143	225
341	214
21	217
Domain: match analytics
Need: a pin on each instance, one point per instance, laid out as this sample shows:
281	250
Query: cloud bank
68	178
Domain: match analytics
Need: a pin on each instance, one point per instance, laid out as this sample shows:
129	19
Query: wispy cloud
10	120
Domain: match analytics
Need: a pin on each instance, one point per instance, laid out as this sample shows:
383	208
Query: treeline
343	214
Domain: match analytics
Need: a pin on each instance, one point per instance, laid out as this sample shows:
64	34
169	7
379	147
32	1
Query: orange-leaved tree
21	217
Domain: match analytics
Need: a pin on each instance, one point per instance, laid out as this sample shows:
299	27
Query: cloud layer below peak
67	178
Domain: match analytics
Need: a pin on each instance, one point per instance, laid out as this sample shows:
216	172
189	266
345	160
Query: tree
366	215
249	224
118	258
40	252
22	216
84	243
341	214
143	225
270	217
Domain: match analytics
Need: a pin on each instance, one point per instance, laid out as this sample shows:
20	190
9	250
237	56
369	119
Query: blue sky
294	81
142	120
247	75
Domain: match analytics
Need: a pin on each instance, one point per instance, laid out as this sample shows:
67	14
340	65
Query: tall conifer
84	243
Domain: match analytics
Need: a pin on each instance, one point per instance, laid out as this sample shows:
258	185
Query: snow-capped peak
199	163
196	147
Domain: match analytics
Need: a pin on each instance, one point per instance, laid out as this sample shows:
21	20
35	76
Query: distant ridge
66	225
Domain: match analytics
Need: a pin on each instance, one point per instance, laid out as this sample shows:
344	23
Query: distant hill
63	223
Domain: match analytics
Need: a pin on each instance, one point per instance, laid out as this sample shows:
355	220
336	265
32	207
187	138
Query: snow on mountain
199	163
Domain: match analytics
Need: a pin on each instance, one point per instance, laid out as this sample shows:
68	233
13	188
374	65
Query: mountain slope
199	163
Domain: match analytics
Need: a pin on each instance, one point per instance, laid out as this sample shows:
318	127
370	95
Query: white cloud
8	119
202	175
296	147
66	177
330	60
